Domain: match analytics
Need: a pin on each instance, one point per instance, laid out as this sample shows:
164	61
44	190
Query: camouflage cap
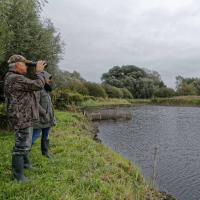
18	58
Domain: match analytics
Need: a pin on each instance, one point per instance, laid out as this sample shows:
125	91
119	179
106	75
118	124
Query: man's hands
40	66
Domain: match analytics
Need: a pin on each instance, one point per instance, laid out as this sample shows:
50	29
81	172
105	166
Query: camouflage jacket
22	106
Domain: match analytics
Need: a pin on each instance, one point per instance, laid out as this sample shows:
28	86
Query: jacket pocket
44	106
45	119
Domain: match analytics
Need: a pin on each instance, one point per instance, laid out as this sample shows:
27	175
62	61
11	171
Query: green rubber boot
18	167
45	147
27	164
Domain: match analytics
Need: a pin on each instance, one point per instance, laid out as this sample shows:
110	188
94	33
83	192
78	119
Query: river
174	131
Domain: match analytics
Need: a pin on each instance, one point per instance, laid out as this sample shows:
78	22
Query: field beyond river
173	101
81	168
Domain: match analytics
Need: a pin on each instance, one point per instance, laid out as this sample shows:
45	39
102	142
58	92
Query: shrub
164	92
77	87
95	90
59	98
85	98
126	93
55	94
187	90
71	98
113	92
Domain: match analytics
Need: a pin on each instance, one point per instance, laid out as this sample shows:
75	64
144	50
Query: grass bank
81	168
174	101
105	102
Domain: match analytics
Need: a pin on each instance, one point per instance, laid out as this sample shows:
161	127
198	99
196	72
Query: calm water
175	131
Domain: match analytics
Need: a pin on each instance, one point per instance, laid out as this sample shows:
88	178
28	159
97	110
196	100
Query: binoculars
33	64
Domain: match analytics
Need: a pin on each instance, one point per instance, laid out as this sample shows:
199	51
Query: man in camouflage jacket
22	109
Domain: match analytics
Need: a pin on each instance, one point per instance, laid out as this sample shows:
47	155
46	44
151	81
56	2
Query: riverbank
174	101
106	102
81	169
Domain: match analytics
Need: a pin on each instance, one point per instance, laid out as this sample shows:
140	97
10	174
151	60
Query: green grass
81	168
139	101
104	102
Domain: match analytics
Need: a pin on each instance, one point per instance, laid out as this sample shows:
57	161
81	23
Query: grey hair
12	65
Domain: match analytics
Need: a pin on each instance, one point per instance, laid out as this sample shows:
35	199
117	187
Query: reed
174	101
177	101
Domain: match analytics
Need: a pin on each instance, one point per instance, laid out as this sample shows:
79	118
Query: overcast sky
160	35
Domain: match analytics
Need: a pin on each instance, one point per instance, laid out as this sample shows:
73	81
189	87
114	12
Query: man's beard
47	87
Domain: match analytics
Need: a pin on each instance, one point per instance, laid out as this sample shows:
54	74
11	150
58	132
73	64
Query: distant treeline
131	82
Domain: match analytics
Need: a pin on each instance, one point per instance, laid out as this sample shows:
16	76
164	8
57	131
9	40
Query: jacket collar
15	72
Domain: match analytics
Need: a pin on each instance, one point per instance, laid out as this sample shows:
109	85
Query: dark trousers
23	140
36	133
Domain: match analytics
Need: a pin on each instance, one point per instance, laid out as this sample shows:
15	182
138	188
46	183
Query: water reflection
175	131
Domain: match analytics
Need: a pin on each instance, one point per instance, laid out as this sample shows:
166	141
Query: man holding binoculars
22	108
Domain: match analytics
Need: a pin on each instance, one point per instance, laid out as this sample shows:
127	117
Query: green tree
126	93
180	81
162	85
196	84
164	92
140	82
23	32
77	87
95	90
187	86
113	92
185	90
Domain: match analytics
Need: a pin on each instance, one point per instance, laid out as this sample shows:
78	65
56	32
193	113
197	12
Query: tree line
145	84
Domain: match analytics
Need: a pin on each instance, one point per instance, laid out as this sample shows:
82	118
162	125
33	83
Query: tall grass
176	101
139	101
104	102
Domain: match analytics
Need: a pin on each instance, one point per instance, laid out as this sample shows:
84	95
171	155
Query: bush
113	92
77	87
71	98
126	93
164	92
95	90
59	98
4	124
187	90
85	98
55	94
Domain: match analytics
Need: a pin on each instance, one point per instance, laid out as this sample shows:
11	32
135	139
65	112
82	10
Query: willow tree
140	82
22	31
